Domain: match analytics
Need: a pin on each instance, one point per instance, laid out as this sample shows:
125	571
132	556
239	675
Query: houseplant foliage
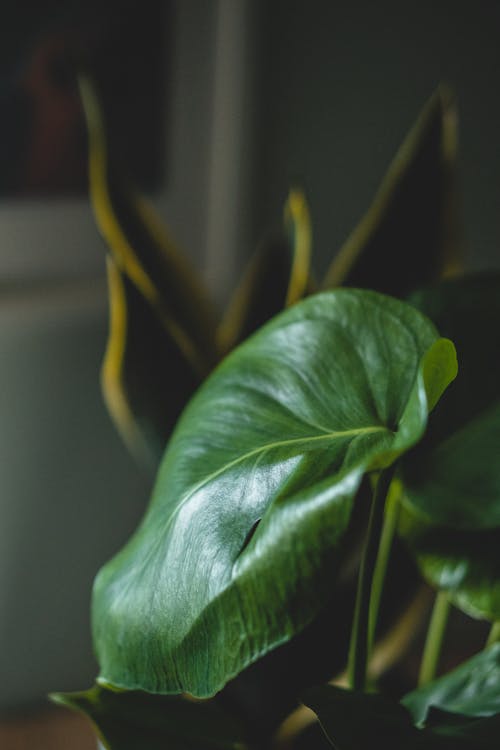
158	303
458	460
344	405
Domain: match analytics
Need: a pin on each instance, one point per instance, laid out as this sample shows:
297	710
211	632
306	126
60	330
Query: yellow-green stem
359	645
388	530
434	640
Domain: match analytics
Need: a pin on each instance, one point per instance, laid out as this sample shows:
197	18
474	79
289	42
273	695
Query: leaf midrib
269	446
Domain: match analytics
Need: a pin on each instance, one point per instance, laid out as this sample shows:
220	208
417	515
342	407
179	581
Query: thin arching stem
359	646
387	536
434	640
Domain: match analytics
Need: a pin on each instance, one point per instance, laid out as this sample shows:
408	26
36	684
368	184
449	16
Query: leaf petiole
360	645
390	523
434	640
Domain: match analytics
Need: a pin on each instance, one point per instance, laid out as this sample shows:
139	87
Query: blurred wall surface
69	492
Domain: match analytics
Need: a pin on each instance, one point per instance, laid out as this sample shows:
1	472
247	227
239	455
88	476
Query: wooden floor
53	729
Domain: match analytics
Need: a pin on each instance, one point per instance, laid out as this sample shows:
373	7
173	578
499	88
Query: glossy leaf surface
408	236
472	689
139	721
238	549
354	720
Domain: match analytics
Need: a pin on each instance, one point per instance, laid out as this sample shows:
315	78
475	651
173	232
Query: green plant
316	431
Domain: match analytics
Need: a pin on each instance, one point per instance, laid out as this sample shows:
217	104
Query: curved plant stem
359	646
384	551
494	635
434	640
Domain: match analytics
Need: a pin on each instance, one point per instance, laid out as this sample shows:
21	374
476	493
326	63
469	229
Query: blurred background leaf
278	276
408	237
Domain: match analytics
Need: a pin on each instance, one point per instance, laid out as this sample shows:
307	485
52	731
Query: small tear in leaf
249	536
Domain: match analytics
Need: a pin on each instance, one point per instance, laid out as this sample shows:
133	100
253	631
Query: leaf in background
354	721
467	308
464	564
277	277
408	237
452	479
456	482
472	689
147	374
238	550
140	721
144	254
463	731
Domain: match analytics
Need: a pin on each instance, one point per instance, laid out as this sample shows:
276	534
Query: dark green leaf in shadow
146	257
456	482
277	277
140	244
472	689
140	721
238	550
408	237
465	564
355	721
453	479
464	731
147	374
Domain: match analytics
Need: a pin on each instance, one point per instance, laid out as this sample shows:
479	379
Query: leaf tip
298	226
59	699
439	368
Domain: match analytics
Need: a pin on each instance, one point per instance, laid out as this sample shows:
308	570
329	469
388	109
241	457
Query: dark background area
42	132
340	84
320	93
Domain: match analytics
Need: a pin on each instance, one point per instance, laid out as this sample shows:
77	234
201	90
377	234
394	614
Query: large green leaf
354	721
408	237
238	549
472	689
139	721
